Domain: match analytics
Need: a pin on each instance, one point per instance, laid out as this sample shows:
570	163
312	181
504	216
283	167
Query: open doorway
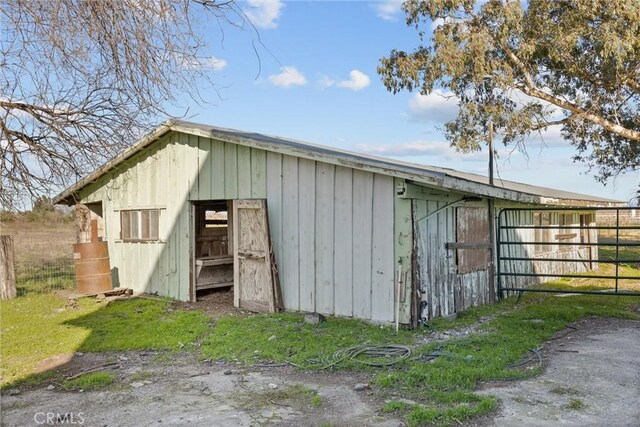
233	256
213	272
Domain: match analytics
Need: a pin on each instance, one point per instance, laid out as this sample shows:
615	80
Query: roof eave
70	195
335	156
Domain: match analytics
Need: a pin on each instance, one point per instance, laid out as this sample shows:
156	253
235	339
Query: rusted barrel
93	272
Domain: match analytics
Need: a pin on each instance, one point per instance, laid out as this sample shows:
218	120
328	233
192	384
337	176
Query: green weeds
91	381
36	327
286	337
446	384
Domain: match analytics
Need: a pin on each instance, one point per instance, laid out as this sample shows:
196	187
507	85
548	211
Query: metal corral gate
535	245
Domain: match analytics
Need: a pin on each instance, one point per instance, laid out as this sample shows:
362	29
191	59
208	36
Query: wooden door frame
192	250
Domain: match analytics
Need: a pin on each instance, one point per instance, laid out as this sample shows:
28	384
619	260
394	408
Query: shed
191	206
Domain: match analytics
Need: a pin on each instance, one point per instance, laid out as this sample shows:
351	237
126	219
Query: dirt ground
180	390
591	378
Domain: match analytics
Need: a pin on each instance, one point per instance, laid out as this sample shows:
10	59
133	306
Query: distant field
43	255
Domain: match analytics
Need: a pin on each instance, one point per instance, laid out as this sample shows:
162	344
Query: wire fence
43	256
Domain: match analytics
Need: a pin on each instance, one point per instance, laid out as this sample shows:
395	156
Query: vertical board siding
515	218
382	298
343	241
244	172
307	233
258	174
362	234
274	203
290	263
325	191
403	250
332	227
206	165
445	291
230	171
217	159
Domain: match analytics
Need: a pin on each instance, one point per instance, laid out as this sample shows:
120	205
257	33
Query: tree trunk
7	271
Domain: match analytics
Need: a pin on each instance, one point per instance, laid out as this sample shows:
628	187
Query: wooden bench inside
214	272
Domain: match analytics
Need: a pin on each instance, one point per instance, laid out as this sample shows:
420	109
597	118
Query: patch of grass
247	339
294	395
624	252
564	390
90	381
419	415
316	401
576	405
164	357
140	376
35	380
44	276
36	327
141	324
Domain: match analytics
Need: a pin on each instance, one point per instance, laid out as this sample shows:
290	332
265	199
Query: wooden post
94	231
492	226
7	270
83	224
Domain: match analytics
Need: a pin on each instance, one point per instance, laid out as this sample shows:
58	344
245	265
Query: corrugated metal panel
332	227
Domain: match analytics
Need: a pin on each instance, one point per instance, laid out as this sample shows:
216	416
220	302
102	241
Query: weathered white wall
582	254
447	292
332	227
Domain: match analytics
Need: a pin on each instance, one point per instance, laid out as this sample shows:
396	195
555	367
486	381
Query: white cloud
214	63
264	13
437	23
290	76
211	63
357	81
326	81
438	107
389	9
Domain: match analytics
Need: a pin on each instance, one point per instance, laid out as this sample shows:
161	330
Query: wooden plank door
255	284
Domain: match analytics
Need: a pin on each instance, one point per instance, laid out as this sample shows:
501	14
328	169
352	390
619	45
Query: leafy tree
79	79
527	66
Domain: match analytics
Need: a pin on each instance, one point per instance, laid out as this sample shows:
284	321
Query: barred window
139	225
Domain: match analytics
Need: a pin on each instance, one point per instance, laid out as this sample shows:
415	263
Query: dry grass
43	255
41	241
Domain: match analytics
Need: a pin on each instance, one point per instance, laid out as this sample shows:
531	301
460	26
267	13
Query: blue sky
314	79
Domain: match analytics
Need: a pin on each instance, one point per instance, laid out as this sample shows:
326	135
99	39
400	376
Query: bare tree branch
81	79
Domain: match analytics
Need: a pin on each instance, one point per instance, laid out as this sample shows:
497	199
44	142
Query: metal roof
432	176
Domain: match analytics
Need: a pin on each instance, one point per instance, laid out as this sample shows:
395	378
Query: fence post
7	270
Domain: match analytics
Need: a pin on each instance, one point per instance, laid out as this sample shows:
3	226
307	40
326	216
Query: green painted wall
337	232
